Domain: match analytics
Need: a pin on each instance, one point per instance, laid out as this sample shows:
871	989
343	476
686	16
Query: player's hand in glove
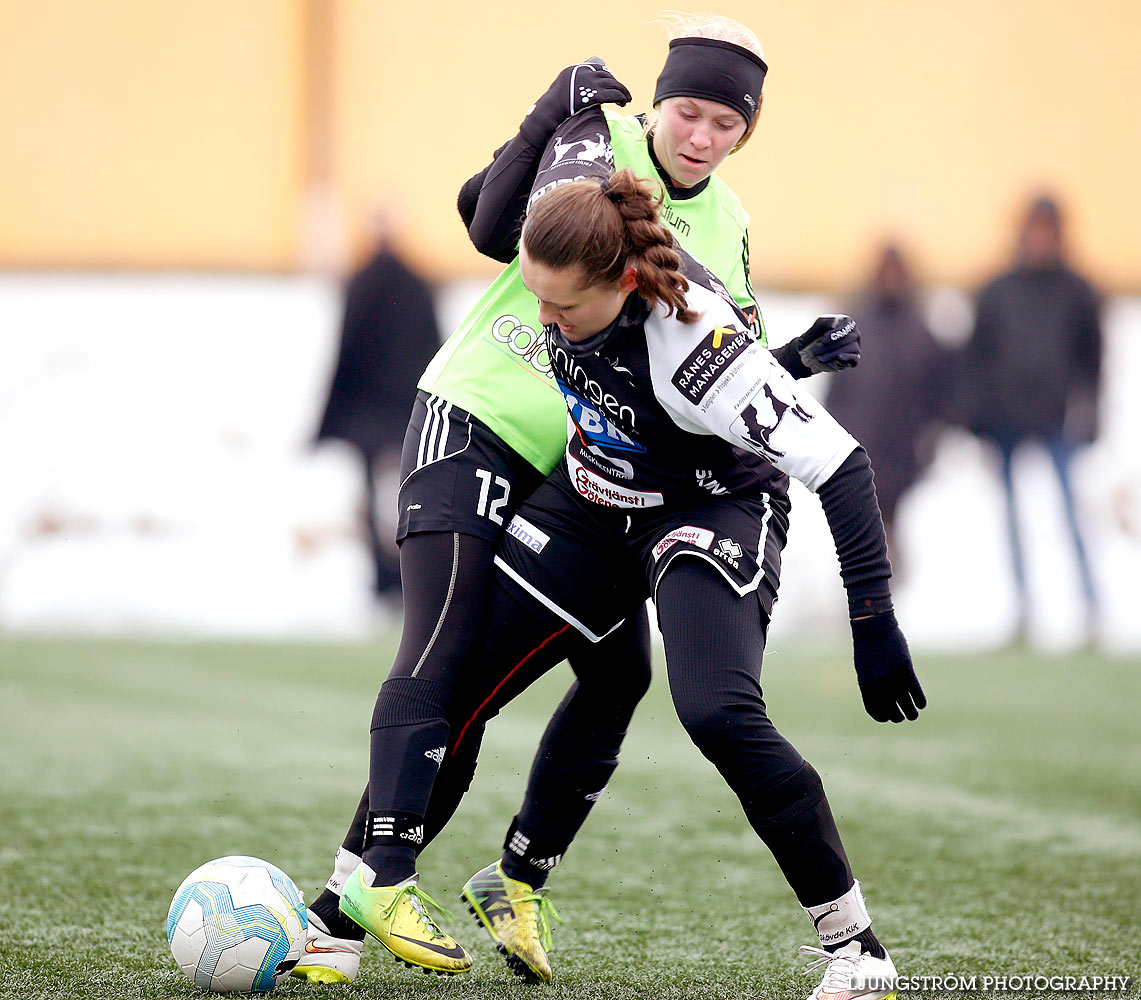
883	668
576	88
831	343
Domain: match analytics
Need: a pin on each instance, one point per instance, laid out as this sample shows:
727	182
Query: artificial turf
998	836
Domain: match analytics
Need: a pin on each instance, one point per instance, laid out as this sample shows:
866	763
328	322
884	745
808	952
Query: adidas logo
519	844
437	755
595	796
416	834
545	864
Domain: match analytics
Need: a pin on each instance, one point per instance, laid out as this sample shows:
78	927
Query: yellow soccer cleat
397	916
518	919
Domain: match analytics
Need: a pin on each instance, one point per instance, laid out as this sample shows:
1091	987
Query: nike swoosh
454	952
313	949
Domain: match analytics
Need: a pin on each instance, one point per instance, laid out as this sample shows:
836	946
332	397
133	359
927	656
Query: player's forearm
501	199
850	506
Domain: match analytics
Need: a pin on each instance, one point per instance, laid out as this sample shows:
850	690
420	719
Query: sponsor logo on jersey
609	464
595	426
605	493
717	287
711	359
584	151
527	344
528	534
574	379
669	216
706	481
558	182
701	537
759	420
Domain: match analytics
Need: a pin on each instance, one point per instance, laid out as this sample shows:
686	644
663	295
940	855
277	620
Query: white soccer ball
236	925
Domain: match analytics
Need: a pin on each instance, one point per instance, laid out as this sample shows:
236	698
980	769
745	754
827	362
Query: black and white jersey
664	411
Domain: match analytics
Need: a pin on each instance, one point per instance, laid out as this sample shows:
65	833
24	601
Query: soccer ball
236	925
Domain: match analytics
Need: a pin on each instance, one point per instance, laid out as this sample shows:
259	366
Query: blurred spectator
893	400
388	336
1031	371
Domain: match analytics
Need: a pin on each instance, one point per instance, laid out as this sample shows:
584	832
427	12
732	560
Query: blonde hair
679	24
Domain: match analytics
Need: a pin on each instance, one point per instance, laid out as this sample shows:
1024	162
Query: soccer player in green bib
488	426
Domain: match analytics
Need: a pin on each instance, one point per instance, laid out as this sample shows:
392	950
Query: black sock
392	843
527	861
407	745
326	906
516	868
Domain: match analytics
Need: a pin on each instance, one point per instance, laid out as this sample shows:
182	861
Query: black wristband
788	357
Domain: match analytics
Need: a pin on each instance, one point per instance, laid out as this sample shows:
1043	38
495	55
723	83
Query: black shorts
456	474
593	566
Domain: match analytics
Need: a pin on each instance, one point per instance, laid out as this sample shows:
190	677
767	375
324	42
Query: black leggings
714	642
443	688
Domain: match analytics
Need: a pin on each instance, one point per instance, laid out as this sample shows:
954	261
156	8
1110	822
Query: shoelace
838	975
419	900
544	910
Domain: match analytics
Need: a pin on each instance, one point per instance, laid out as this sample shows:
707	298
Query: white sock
842	918
344	865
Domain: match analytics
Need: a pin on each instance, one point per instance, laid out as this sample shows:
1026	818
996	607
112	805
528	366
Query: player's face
579	312
693	136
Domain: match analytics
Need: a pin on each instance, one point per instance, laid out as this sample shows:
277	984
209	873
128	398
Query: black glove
576	88
883	667
831	343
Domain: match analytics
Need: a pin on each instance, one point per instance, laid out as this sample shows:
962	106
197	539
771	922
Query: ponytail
603	229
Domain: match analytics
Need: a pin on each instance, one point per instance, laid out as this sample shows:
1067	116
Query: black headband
714	70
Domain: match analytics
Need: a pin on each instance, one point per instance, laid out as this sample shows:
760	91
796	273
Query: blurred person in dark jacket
893	402
1031	373
388	336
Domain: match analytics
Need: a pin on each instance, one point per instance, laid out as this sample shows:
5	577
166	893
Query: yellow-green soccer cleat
397	916
518	919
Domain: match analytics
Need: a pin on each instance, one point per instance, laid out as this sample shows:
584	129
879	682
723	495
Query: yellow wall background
258	134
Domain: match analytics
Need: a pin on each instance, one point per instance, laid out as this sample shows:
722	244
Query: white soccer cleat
327	959
852	974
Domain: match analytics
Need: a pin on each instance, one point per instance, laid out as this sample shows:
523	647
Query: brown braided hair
603	228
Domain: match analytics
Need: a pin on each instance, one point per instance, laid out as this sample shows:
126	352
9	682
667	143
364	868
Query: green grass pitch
1000	835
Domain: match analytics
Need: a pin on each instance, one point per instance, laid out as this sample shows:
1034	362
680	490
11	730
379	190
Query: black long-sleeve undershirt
494	201
850	506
